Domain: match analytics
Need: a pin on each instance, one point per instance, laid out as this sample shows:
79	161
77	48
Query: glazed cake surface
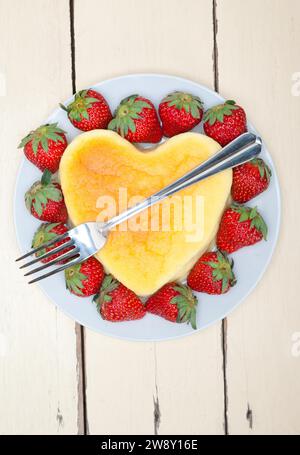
156	246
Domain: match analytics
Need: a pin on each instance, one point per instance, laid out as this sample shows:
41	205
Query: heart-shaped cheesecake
100	171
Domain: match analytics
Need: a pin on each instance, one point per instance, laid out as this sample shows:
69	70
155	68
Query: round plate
250	263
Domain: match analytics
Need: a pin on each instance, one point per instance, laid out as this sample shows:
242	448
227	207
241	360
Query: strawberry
47	232
225	122
45	200
180	112
212	273
249	180
88	111
136	120
240	226
44	146
86	278
116	303
174	302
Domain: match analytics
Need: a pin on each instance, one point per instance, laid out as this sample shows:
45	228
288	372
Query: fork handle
228	157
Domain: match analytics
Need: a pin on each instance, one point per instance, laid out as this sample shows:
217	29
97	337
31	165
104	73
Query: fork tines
71	256
44	245
76	260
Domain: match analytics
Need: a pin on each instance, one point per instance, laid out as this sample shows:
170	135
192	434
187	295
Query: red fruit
88	111
240	226
212	273
225	122
174	302
180	112
44	146
47	232
86	278
116	303
45	200
249	180
136	120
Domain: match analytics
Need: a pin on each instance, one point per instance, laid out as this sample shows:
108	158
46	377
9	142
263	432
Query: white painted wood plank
258	54
190	384
169	37
131	36
120	386
38	385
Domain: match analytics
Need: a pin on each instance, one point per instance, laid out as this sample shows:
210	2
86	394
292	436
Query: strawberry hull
240	226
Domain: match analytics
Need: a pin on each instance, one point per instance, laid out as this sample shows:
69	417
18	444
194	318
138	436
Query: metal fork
88	238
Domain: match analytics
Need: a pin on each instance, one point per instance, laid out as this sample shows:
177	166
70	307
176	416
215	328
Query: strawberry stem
46	177
63	107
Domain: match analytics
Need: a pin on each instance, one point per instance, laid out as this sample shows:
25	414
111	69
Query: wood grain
258	49
174	387
170	387
38	379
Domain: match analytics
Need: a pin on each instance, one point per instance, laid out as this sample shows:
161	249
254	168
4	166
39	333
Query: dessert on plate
102	172
100	162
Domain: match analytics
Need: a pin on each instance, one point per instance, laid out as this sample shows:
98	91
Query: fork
86	239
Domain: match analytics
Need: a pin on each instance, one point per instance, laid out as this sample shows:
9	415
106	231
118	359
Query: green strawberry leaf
181	100
109	284
41	137
46	177
38	206
41	192
78	109
264	170
186	304
129	110
217	113
193	319
249	213
43	234
222	270
74	279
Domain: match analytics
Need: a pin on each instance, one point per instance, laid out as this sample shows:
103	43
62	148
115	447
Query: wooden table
239	376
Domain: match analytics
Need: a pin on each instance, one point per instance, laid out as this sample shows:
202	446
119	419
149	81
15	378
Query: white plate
250	262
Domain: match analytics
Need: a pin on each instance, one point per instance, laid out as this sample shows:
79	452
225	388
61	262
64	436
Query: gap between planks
224	321
82	421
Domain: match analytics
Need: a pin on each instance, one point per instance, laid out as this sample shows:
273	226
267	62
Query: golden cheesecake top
101	174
